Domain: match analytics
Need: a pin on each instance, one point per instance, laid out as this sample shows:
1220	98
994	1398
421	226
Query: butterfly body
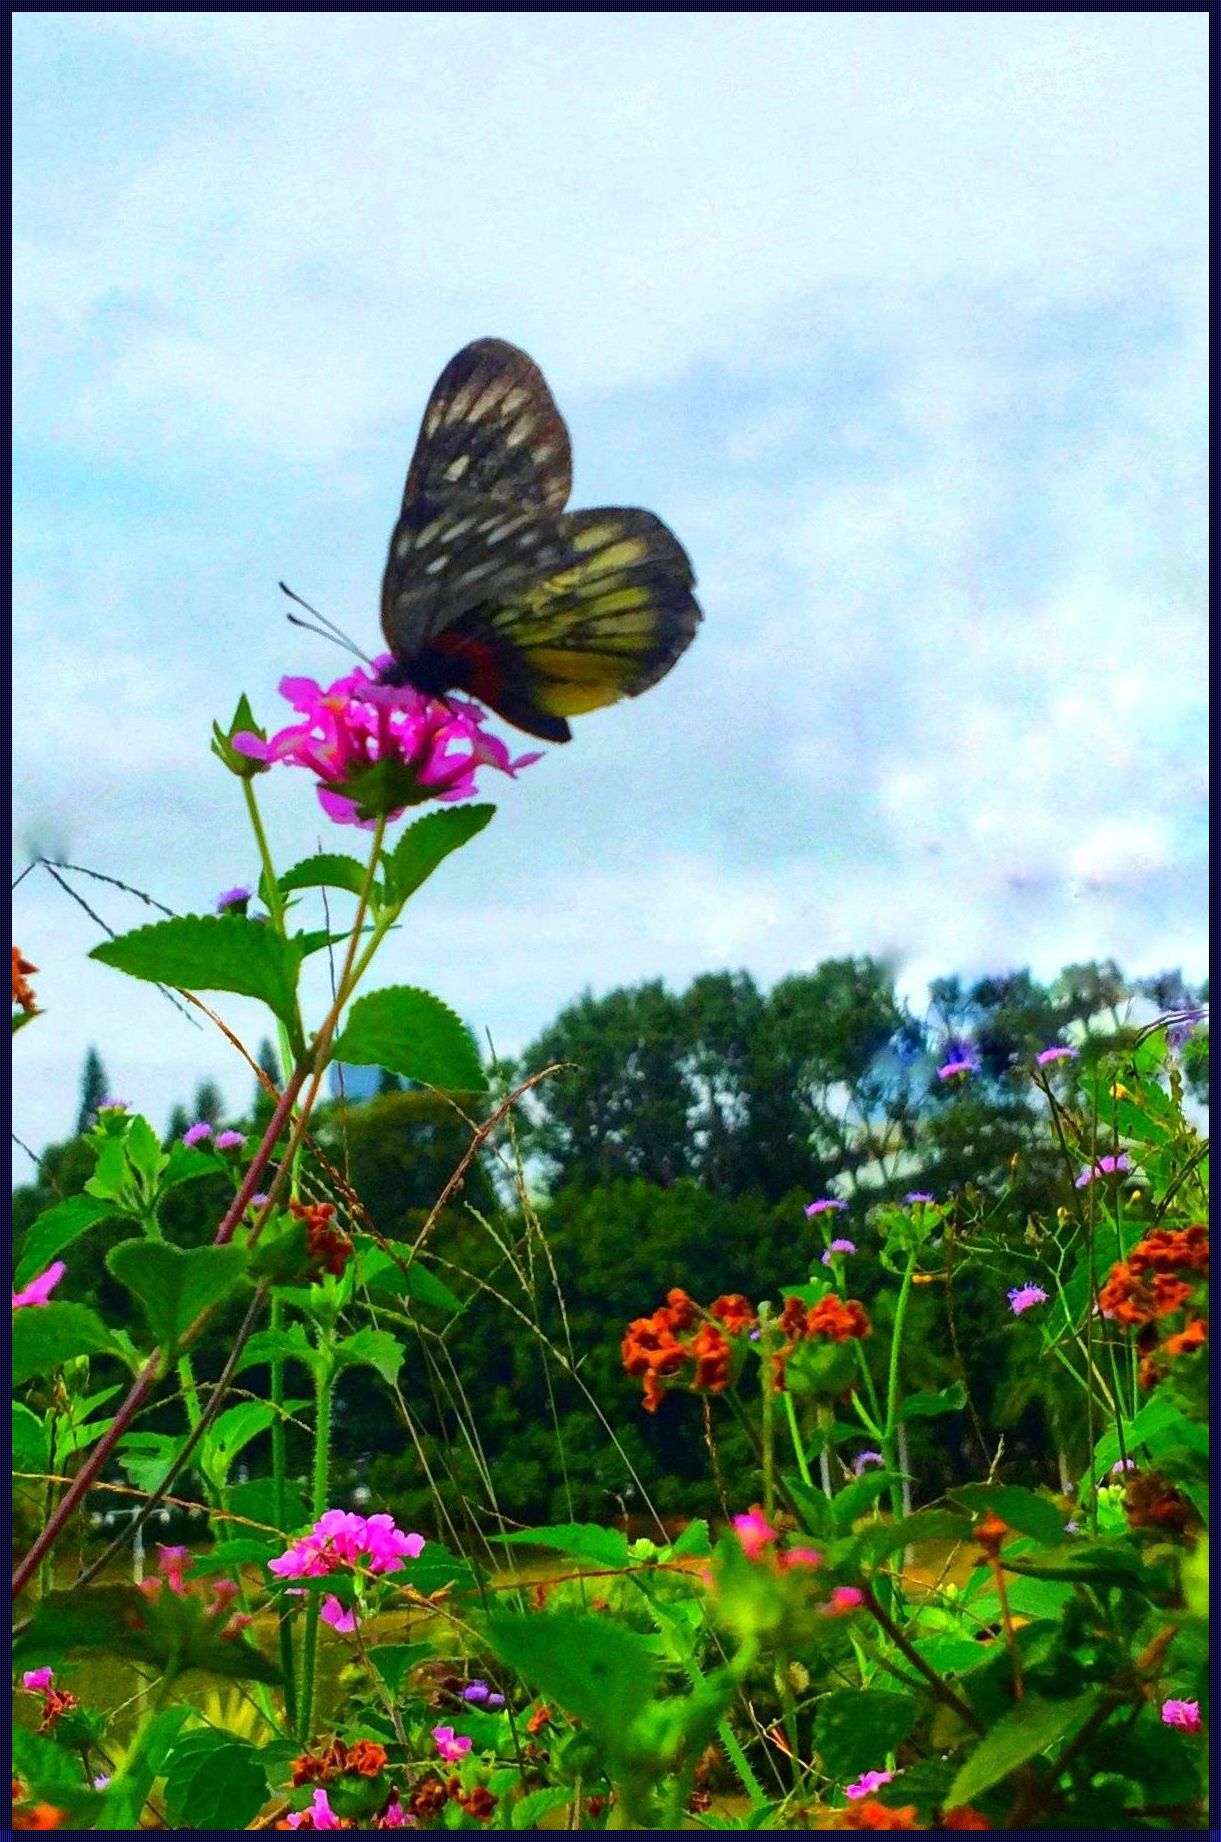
492	588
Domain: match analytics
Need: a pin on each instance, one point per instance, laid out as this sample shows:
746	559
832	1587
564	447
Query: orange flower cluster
838	1319
427	1802
23	995
652	1348
1149	1286
964	1818
326	1241
870	1814
366	1758
38	1816
1152	1502
477	1802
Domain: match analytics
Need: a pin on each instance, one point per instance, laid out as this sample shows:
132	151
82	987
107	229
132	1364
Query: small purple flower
1184	1714
110	1105
479	1691
1104	1167
1071	1527
918	1196
823	1204
1121	1465
961	1066
258	1200
1021	1298
196	1133
838	1246
864	1460
233	899
868	1783
1058	1052
101	1781
229	1141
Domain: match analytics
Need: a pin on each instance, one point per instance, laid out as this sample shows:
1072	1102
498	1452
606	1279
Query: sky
899	321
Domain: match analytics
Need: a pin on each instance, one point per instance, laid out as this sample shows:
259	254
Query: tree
209	1103
94	1089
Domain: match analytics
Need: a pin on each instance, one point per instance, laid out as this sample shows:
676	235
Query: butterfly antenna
326	628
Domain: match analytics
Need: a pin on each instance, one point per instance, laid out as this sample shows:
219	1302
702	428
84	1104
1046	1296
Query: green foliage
426	844
414	1034
174	1285
45	1336
214	1782
211	953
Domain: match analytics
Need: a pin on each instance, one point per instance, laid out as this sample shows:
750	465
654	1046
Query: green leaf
55	1229
858	1496
1020	1734
540	1803
1022	1510
31	1447
426	844
1101	1562
326	870
813	1507
854	1729
210	953
186	1162
144	1152
227	1556
229	1433
173	1631
588	1541
694	1539
393	1662
1160	1426
925	1405
52	1775
44	1336
174	1284
411	1033
279	1345
874	1544
376	1349
435	1570
214	1782
381	1272
147	1458
124	1801
596	1670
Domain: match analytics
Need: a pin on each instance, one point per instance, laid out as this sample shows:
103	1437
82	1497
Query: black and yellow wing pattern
492	588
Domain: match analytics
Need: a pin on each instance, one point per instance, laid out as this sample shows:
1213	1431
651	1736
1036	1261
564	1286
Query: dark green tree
209	1102
94	1087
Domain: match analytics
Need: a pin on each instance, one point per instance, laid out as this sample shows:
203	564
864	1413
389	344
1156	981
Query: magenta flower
1058	1052
800	1557
422	748
961	1066
340	1538
918	1196
395	1817
172	1563
868	1783
38	1679
320	1814
39	1290
1021	1298
194	1135
340	1617
838	1247
1104	1167
1184	1714
844	1599
451	1746
233	898
823	1204
229	1141
863	1460
754	1532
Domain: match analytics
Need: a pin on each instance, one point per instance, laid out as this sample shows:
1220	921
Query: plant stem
322	1472
892	1382
798	1445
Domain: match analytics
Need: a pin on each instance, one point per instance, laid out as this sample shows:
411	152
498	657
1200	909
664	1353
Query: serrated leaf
381	1272
411	1033
393	1662
855	1728
279	1345
694	1539
44	1336
1021	1509
219	1783
174	1284
376	1349
1022	1733
539	1803
860	1495
874	1544
173	1630
144	1152
210	953
1099	1562
147	1458
229	1433
588	1541
427	843
31	1447
925	1404
586	1665
51	1774
228	1556
186	1162
325	870
55	1229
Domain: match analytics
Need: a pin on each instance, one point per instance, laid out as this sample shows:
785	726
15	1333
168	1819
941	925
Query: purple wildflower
1058	1052
1121	1465
1021	1298
230	1141
1107	1166
863	1460
838	1246
233	898
111	1105
199	1131
823	1204
918	1196
868	1783
961	1066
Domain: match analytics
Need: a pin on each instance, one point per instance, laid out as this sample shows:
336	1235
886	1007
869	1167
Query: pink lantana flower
451	1746
320	1814
844	1599
868	1783
378	748
754	1531
1104	1167
172	1563
39	1290
341	1618
1184	1714
395	1817
36	1680
801	1557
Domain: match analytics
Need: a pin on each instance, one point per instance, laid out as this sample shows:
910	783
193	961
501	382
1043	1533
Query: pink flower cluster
342	1539
755	1533
358	723
1104	1167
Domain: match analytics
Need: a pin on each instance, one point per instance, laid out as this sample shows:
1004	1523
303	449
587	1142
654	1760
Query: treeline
677	1145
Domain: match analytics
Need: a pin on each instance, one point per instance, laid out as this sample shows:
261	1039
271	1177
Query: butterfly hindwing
491	588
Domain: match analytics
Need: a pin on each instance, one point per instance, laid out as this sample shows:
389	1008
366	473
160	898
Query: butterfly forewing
491	429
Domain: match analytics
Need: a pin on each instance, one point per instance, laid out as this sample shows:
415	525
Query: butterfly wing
491	430
607	623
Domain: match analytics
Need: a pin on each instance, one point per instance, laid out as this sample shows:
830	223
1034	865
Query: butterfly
492	588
